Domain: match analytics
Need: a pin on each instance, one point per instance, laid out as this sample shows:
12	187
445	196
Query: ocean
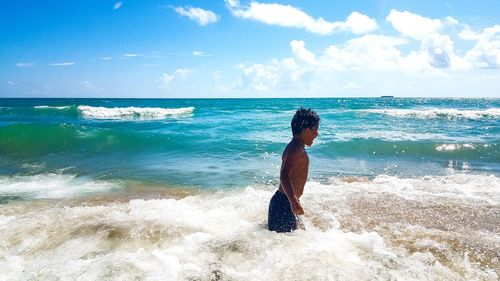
178	189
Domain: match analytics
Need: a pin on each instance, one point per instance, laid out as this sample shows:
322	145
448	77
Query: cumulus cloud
201	16
435	47
345	69
299	50
451	21
486	51
25	64
62	64
359	23
375	52
278	74
423	55
413	25
369	52
167	79
440	50
369	55
289	16
117	5
468	34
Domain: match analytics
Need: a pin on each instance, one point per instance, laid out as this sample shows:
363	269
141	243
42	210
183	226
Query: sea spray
224	234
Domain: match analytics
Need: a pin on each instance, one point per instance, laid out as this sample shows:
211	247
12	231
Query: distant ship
387	96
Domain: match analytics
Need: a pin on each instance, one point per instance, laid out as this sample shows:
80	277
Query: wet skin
295	167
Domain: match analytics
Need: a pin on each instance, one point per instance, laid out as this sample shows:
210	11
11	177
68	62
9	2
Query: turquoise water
178	189
235	142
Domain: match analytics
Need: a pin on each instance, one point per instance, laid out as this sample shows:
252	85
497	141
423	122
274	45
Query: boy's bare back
293	174
285	203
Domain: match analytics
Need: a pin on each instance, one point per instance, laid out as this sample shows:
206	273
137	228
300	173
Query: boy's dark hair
304	118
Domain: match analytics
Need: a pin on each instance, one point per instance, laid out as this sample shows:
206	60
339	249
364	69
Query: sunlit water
399	189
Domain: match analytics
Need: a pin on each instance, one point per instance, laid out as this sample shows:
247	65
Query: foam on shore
387	228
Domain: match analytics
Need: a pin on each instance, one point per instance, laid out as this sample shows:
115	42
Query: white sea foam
222	236
389	135
449	113
52	186
457	186
52	107
132	112
454	146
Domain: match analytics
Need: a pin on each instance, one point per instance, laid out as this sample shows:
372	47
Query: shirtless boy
285	203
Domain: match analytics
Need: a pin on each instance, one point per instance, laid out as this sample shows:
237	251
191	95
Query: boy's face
311	134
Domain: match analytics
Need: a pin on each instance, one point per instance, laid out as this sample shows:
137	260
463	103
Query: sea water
178	189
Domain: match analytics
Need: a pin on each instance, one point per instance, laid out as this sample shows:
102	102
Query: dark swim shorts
280	217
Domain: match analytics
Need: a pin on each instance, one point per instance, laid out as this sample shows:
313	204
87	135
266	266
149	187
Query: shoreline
357	225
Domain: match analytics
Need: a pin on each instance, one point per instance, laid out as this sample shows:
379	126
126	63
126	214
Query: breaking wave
438	113
50	186
143	113
52	107
388	228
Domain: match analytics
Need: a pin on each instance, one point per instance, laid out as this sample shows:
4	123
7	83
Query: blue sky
231	48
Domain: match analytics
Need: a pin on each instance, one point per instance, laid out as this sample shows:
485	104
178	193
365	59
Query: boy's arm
288	168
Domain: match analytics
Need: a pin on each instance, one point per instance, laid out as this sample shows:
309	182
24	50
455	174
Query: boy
285	203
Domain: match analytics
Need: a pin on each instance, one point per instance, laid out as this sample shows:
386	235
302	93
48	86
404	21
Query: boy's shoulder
292	150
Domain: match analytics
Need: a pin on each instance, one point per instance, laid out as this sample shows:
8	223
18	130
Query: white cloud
375	52
436	48
11	83
202	17
25	64
359	23
440	50
117	5
282	75
452	21
341	71
106	58
486	51
131	55
200	54
260	77
166	79
413	25
289	16
62	64
369	55
299	50
468	34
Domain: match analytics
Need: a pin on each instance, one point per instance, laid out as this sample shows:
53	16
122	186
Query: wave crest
52	107
54	186
132	112
438	113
